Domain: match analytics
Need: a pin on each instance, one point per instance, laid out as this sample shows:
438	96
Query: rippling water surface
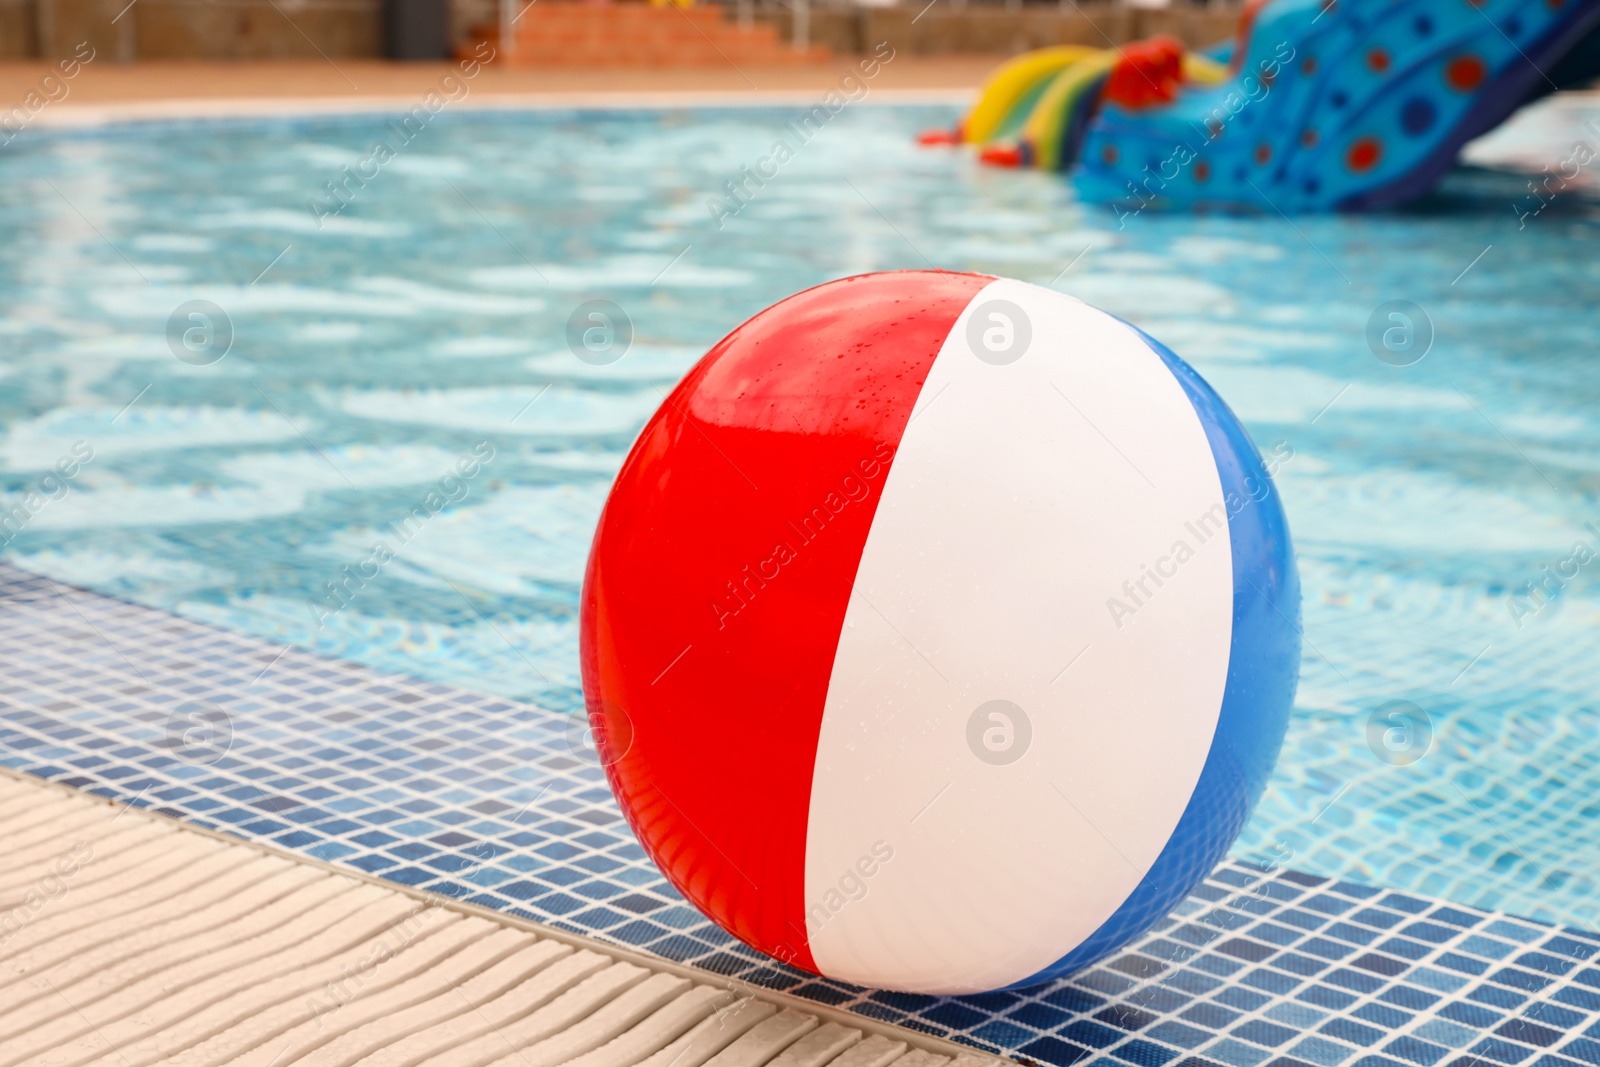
371	354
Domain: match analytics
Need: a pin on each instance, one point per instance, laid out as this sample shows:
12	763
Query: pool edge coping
826	1012
87	117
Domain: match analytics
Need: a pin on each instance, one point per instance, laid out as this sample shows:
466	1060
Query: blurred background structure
566	33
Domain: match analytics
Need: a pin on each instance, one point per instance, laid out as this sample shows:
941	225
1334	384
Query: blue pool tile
1216	965
1170	951
866	1008
994	1002
1241	998
1557	1017
1301	920
1354	980
1092	1034
1325	997
1528	1033
477	799
1435	979
1352	1032
1471	1015
1238	878
1125	1018
1053	1050
1520	979
1412	1050
1238	1054
1405	903
1303	878
1299	1016
1296	964
1190	981
1040	1016
1377	963
1071	999
1582	1049
1447	1033
1137	966
1405	948
1465	964
1544	963
637	933
1270	981
1281	890
1260	1032
1144	1053
995	1034
1274	934
598	919
1367	892
1330	905
1326	948
1104	981
1431	932
954	1016
1496	997
410	875
1515	931
1195	935
1501	1051
1567	946
1158	999
1321	1052
1408	997
1386	1017
1179	1034
904	1001
1210	1016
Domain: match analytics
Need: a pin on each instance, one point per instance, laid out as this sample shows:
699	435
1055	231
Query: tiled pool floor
499	803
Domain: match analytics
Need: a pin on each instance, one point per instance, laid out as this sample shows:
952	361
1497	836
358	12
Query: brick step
760	37
614	16
565	34
610	56
597	55
664	24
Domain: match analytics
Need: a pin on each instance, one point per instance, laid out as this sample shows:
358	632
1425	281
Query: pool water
399	372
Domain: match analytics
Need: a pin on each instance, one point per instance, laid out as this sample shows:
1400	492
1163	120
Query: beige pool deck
128	939
106	91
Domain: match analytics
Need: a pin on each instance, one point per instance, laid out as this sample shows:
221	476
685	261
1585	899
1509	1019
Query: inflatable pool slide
1316	105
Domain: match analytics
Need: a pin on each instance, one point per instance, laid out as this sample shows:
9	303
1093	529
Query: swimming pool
374	348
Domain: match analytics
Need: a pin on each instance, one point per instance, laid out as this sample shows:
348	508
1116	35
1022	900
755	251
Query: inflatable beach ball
939	632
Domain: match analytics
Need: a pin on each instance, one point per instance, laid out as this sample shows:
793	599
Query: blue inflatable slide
1316	105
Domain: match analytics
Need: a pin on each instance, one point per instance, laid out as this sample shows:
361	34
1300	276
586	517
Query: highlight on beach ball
939	632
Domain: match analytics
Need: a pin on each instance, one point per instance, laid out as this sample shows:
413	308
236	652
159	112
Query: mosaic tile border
500	804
